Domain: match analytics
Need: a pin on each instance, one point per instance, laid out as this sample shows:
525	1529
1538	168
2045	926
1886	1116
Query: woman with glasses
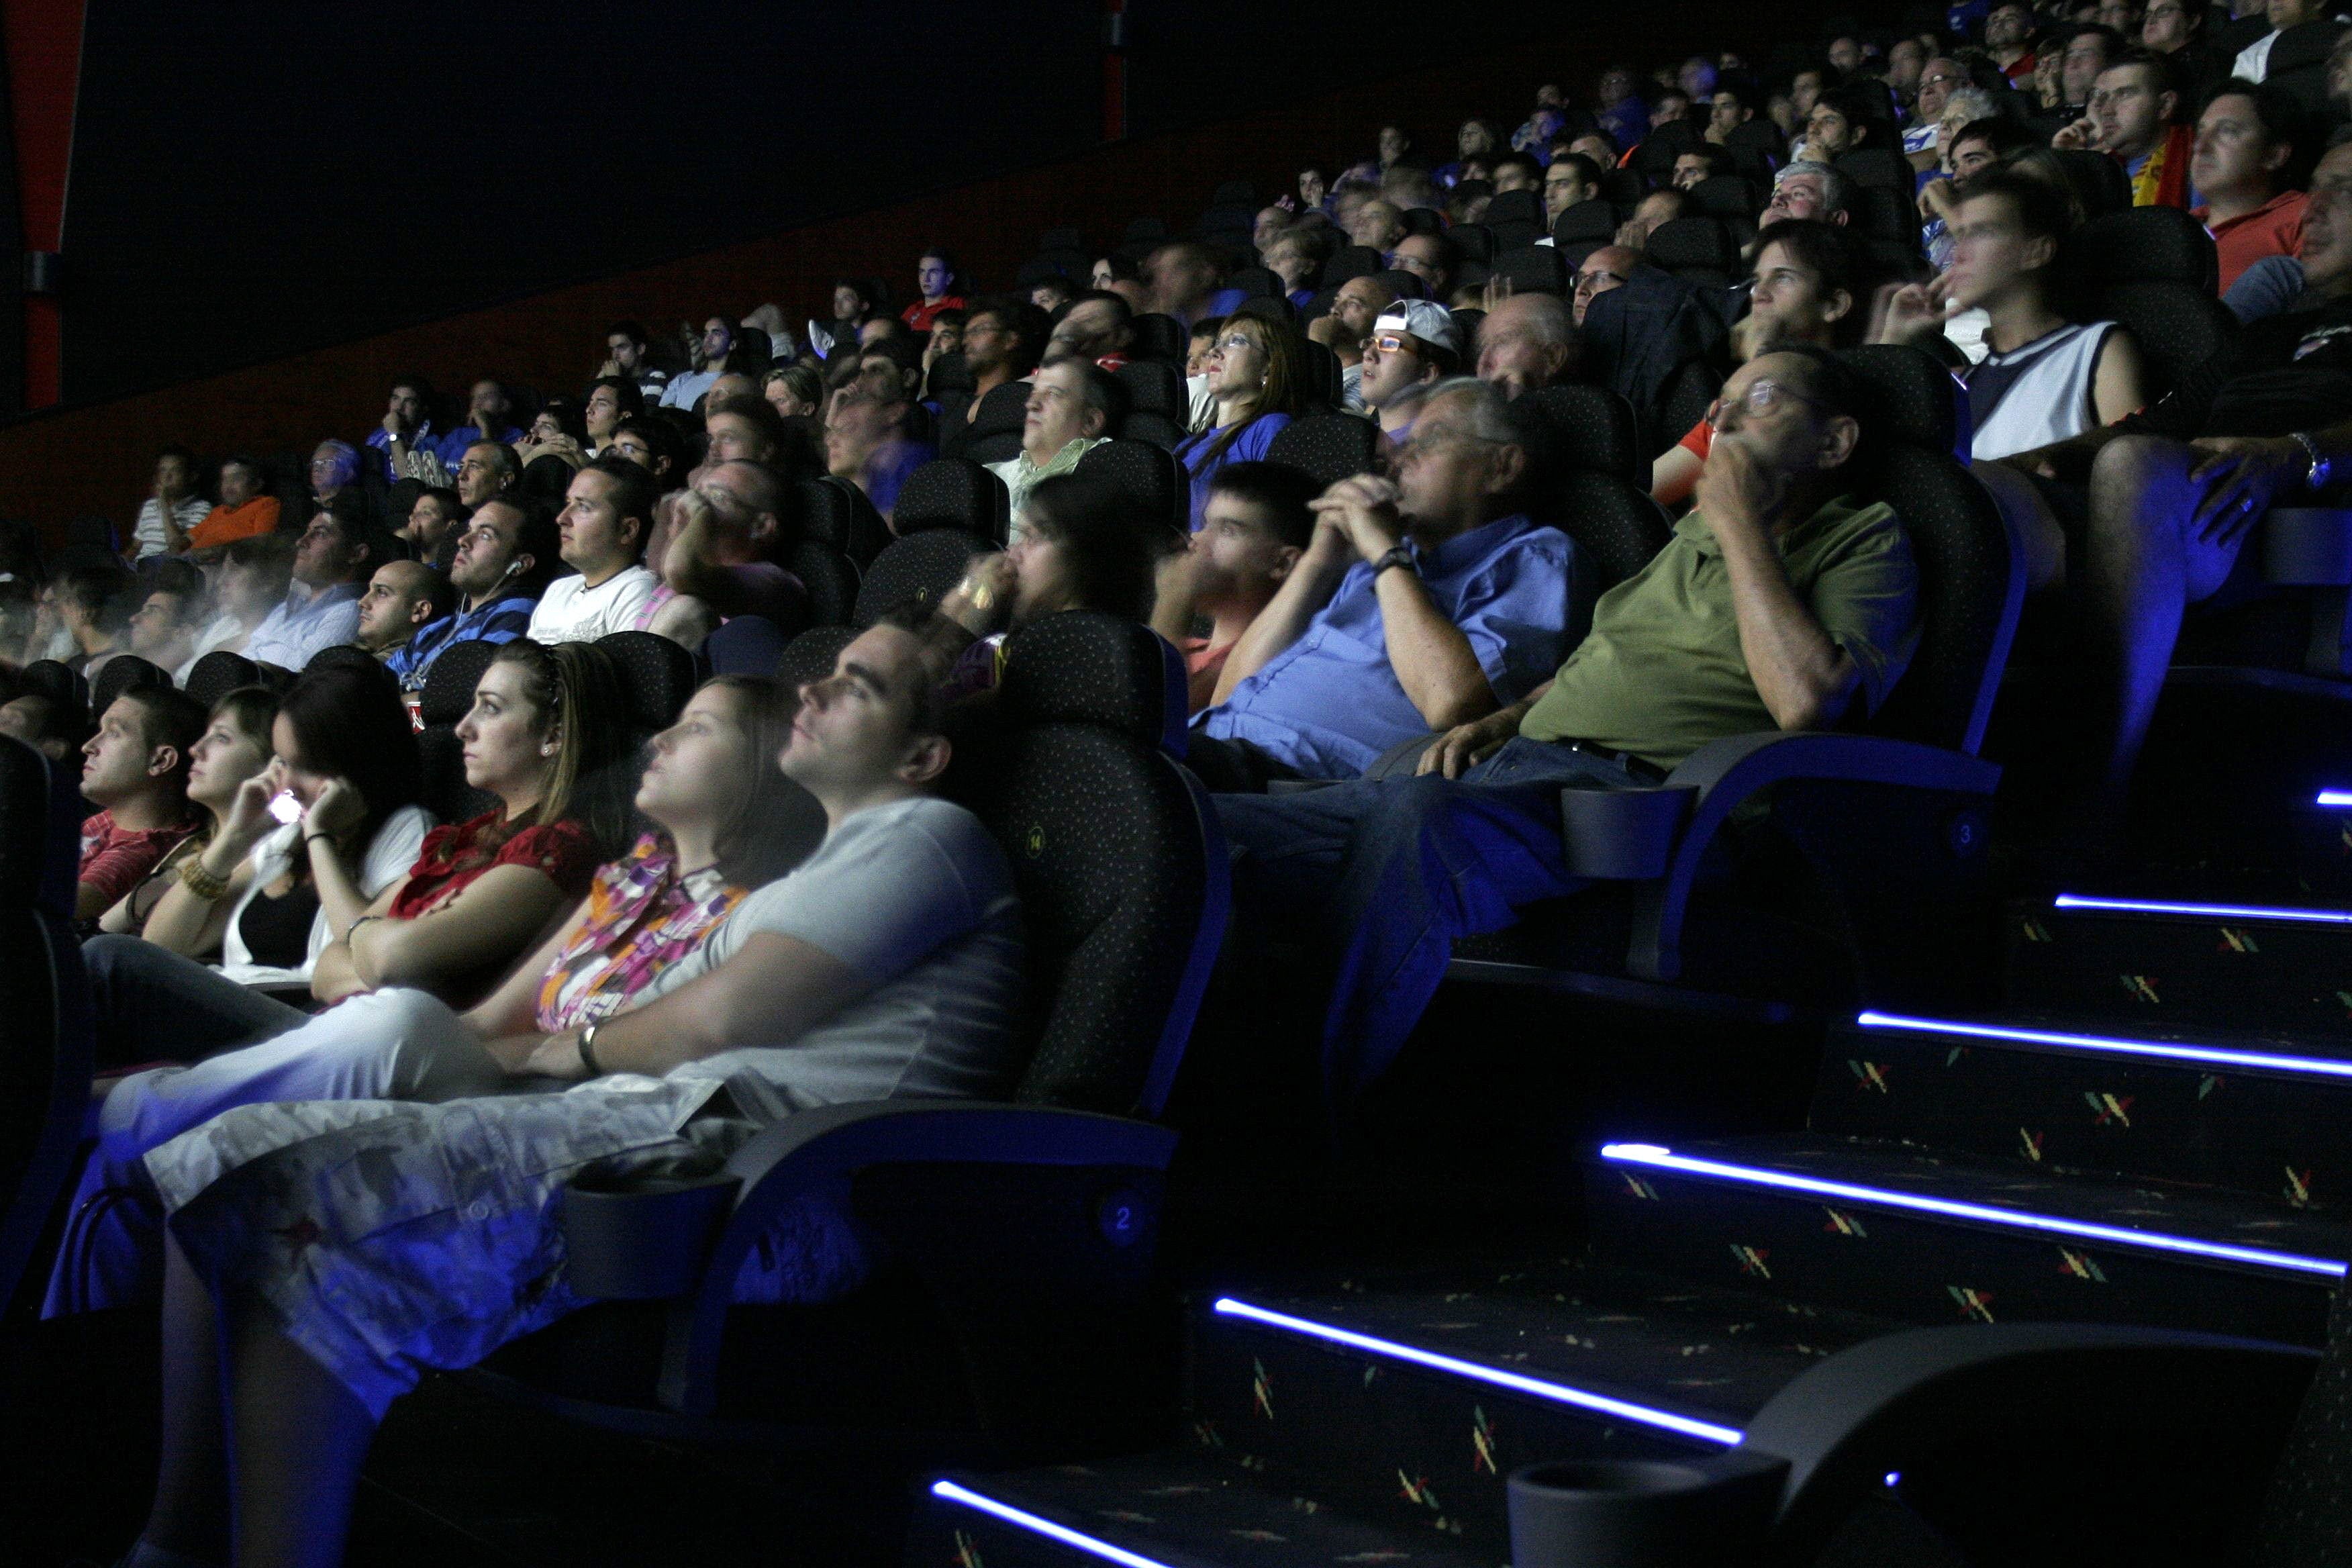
1257	381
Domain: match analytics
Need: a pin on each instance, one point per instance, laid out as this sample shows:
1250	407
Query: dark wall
254	180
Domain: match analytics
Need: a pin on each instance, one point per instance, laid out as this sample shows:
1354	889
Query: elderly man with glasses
1424	600
1783	601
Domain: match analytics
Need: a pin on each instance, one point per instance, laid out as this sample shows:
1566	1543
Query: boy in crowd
1255	527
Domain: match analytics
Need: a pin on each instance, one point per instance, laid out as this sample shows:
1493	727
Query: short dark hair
632	330
171	574
626	392
450	500
1112	547
634	491
349	721
664	438
2283	122
2043	210
2111	44
102	592
543	541
1277	489
251	465
1588	172
1102	391
1029	326
188	458
1998	131
169	717
416	384
1832	253
1515	160
1716	160
1118	304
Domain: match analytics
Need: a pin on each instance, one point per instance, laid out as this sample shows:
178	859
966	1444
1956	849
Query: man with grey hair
1784	600
1423	601
1807	189
1527	342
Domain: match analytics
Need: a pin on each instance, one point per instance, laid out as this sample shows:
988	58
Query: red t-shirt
456	854
113	859
1699	441
919	314
2273	229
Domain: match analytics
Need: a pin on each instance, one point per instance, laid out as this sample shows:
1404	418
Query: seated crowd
1358	402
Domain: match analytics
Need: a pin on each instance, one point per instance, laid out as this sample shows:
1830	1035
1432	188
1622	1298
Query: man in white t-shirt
607	513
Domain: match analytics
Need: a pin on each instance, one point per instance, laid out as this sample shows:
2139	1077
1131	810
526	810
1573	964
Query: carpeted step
2266	968
1890	1230
1174	1510
1409	1404
2267	1117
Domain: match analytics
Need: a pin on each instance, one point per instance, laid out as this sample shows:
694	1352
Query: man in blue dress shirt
1422	603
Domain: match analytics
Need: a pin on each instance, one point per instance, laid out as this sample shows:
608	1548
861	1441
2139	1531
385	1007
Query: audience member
610	399
934	276
94	605
1659	208
746	431
1527	342
486	471
1003	340
1378	225
1938	80
1783	602
2254	61
1256	380
1605	268
1075	405
866	437
1698	163
334	471
1518	172
136	773
167	623
255	576
2043	380
1413	345
2009	39
654	445
626	344
244	511
2242	168
502	559
1080	543
405	430
1185	282
2131	120
48	726
174	510
1050	294
1098	325
1420	604
608	516
1258	523
717	557
1570	179
488	412
233	747
1355	306
346	758
436	520
321	609
707	359
401	599
794	391
1433	259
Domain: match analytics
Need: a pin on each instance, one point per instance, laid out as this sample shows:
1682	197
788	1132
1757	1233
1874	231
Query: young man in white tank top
2043	379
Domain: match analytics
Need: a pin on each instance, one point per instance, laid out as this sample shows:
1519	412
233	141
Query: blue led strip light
1518	1382
1653	1156
1044	1527
2163	1051
2336	797
2211	911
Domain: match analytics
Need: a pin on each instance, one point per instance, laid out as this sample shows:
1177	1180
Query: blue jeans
1380	876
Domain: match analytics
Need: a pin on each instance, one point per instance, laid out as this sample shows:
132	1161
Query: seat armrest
1901	1400
1730	772
810	1161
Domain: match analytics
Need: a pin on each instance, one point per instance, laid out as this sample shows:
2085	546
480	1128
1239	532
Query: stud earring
548	750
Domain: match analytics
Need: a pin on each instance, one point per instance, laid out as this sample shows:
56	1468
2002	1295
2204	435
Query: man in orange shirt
244	511
2245	140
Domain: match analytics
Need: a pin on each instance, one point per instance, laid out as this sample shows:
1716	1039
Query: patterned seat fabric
2145	245
1594	220
219	673
2179	326
836	513
1350	261
1158	408
1147	472
1534	270
1159	337
656	673
1121	871
1594	427
123	672
1329	447
810	655
831	579
952	492
994	435
343	656
1476	240
920	569
449	680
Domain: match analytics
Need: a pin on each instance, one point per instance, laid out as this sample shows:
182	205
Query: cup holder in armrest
645	1241
1623	835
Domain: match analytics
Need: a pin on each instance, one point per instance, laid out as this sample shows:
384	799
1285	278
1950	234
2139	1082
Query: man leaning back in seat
1783	601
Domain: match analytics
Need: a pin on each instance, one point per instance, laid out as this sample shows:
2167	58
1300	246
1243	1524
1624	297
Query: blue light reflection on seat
1044	1527
2205	911
2163	1051
1519	1382
1652	1156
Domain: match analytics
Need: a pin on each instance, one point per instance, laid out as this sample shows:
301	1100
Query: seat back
1595	485
745	644
1160	336
2302	1521
2098	180
994	435
1695	249
449	692
810	655
1256	283
1591	428
123	672
343	656
836	513
2144	245
449	681
1150	475
1322	373
219	673
1594	221
46	1050
952	492
1121	867
921	568
61	684
656	673
1534	270
1476	240
830	577
1725	195
1350	261
1157	408
1972	572
1877	166
1329	447
2179	327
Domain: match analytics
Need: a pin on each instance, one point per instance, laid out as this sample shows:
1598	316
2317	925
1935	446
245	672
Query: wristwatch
1398	555
2314	478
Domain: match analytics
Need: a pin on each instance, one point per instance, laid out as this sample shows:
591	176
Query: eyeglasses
1391	344
1233	343
1762	397
1427	440
1941	78
1594	282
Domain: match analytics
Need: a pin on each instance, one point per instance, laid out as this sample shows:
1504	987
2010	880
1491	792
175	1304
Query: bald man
401	597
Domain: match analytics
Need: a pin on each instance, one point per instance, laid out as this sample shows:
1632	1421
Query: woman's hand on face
248	814
336	811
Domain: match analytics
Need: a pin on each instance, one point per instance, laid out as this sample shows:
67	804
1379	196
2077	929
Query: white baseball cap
1424	319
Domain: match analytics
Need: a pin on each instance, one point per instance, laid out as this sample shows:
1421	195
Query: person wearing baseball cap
1413	345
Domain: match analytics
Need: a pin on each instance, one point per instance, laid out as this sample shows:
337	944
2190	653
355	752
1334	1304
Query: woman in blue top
1256	375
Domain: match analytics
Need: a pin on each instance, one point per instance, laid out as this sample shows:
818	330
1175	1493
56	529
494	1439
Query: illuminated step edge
2336	797
2204	911
2160	1050
1076	1540
1655	1158
1518	1382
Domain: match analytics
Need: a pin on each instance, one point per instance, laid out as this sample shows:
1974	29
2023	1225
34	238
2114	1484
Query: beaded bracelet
201	882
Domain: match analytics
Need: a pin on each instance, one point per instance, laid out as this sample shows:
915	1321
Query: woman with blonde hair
1258	381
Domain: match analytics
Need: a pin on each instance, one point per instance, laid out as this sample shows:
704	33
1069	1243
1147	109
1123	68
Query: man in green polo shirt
1782	603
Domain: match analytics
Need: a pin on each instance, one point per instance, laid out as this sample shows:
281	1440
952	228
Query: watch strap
1399	555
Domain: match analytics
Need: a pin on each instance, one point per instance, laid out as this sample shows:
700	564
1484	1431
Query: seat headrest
824	513
657	674
2141	246
1913	398
1082	666
451	678
23	824
1690	242
1590	428
951	492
